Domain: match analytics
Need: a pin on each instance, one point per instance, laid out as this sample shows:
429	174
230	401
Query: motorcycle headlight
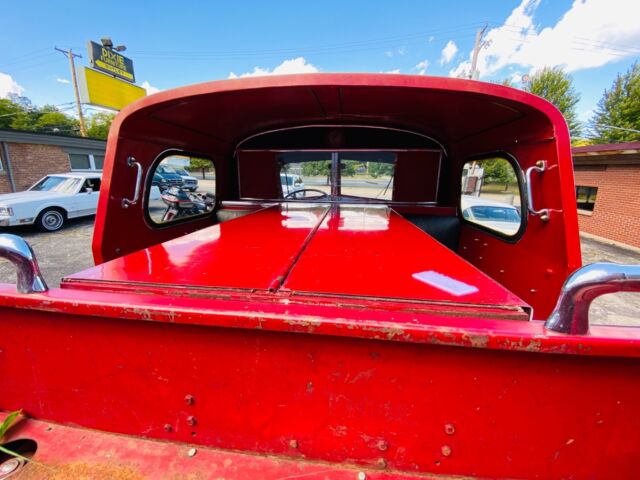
8	211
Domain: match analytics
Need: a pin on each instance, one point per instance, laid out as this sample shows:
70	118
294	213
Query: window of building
491	195
586	197
86	161
79	161
181	187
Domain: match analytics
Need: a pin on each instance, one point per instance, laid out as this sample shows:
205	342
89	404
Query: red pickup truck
414	308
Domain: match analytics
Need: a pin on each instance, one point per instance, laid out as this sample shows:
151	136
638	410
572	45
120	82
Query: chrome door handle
543	213
126	203
571	314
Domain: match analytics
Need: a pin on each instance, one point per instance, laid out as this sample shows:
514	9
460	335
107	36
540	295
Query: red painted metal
298	333
93	453
251	252
344	252
356	252
512	121
347	400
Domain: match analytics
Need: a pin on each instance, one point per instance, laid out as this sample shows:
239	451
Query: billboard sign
111	62
102	90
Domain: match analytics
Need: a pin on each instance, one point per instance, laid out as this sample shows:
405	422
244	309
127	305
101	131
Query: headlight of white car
7	211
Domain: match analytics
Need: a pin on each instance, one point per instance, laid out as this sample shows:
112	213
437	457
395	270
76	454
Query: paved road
69	251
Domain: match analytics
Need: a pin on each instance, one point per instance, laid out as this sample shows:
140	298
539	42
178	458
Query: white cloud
62	80
294	65
590	34
9	85
150	88
400	51
422	67
448	52
395	72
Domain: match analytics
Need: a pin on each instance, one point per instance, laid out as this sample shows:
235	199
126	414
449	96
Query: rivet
381	462
191	421
293	443
479	258
189	400
502	270
192	452
449	429
362	476
533	290
446	450
167	427
382	445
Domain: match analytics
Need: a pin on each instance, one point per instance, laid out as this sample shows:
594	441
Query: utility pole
70	55
476	50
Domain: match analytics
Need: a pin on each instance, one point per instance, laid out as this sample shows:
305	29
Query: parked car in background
51	201
292	186
498	216
188	182
165	177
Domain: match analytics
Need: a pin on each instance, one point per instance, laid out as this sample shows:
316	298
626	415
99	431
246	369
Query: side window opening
181	187
491	195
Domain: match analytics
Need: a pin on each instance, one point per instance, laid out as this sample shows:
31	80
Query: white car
51	201
498	216
291	185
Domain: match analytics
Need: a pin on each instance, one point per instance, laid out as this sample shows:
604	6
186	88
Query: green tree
316	169
201	164
54	121
498	171
619	107
8	112
554	85
379	169
100	124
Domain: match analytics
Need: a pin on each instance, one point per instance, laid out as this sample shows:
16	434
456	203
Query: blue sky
179	43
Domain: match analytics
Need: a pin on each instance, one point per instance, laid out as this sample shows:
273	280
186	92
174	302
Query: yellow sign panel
106	91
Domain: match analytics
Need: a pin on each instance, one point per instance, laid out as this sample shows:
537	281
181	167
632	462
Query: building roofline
22	136
607	149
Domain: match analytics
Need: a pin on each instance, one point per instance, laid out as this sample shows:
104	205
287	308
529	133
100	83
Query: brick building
26	157
608	191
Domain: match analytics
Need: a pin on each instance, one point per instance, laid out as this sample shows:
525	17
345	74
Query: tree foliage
201	164
619	107
498	171
379	169
100	124
554	85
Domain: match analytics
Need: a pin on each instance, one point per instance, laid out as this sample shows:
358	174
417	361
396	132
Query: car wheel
50	220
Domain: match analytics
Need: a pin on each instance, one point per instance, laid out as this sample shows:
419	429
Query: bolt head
189	399
191	421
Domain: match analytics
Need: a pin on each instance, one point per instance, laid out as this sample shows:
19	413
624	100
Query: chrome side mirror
17	251
571	314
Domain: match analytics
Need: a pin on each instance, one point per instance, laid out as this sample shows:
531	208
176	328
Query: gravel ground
69	251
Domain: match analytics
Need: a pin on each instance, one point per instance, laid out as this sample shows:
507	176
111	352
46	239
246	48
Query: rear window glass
491	195
316	175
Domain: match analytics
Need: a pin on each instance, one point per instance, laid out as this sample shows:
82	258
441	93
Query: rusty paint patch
79	470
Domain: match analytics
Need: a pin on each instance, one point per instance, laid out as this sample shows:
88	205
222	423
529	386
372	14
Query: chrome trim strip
571	313
17	251
126	203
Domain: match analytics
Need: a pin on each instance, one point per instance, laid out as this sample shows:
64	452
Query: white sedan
51	201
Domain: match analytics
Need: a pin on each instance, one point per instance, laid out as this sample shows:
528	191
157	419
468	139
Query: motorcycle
182	203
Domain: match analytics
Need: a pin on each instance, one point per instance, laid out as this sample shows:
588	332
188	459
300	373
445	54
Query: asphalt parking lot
69	251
